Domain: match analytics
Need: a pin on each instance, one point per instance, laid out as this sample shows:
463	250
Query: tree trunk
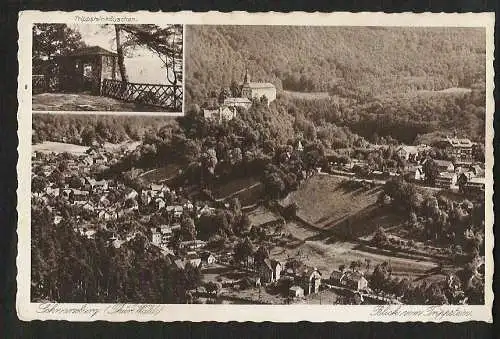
119	51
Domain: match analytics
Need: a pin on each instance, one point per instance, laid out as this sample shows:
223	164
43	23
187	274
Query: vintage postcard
255	167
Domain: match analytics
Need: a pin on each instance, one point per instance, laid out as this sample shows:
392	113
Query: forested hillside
397	83
85	129
374	60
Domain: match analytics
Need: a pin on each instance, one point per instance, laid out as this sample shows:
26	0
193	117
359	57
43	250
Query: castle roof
92	50
236	100
259	85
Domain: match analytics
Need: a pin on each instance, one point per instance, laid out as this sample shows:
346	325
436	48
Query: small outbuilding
296	292
86	68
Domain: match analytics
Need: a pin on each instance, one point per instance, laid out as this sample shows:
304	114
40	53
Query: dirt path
239	192
85	102
327	257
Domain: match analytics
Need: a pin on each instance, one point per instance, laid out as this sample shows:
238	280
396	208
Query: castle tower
246	79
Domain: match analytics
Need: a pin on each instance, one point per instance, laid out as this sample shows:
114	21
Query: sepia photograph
107	67
312	172
314	165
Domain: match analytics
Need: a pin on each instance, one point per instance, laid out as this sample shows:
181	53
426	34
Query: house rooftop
92	50
236	100
456	142
446	175
443	163
477	180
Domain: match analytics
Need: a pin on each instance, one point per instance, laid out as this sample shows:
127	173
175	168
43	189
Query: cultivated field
327	257
261	215
85	102
307	95
128	145
248	190
59	147
324	202
160	174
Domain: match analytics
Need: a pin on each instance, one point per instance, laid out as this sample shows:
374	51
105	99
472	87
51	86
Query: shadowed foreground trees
68	267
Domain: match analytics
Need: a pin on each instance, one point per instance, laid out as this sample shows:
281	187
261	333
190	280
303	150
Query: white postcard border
27	310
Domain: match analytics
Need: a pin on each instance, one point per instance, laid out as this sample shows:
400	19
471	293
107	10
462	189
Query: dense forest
86	129
393	83
373	60
68	267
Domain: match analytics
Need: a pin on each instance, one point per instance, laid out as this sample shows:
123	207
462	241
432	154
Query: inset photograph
109	67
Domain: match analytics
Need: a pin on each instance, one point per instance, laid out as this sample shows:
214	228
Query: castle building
257	89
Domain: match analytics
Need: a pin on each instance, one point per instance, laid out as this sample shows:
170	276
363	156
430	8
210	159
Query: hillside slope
372	59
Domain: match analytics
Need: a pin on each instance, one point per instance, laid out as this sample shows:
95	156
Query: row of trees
89	129
463	287
401	117
438	218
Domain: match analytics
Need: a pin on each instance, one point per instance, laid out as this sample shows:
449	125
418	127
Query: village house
103	202
156	237
238	102
130	193
86	161
474	185
192	244
47	170
159	204
100	159
223	113
477	170
408	153
156	188
446	180
211	114
88	206
178	210
78	195
131	205
296	292
205	210
146	198
269	271
300	147
193	258
378	175
166	233
460	149
311	280
66	193
188	206
95	185
415	172
354	281
444	166
106	214
53	192
57	219
207	258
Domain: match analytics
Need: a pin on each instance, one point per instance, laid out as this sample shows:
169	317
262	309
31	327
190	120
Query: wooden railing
168	97
39	83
